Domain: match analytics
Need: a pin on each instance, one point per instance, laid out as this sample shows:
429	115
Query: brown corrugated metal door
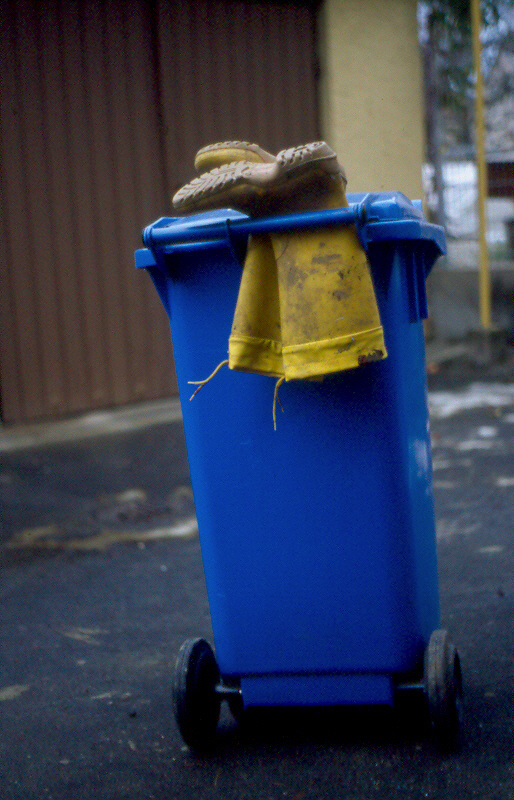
81	175
236	70
103	105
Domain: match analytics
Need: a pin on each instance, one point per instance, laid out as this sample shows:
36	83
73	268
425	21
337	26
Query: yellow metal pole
485	277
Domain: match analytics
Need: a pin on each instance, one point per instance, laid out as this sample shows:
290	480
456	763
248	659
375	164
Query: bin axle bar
227	691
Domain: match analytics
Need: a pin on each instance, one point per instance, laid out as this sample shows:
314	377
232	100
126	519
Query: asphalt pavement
102	580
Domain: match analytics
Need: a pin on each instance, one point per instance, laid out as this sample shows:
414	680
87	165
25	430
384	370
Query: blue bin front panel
318	538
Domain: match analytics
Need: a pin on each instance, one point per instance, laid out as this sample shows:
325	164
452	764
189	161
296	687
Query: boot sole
245	182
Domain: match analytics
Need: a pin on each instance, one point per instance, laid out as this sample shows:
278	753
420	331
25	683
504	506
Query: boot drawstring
206	380
276	399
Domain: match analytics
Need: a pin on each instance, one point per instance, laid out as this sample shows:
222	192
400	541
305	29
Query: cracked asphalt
102	581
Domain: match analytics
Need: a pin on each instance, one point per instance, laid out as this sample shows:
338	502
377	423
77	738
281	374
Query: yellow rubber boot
306	305
255	343
328	311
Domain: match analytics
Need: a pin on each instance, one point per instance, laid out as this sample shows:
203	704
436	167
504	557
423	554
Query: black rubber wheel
443	687
196	703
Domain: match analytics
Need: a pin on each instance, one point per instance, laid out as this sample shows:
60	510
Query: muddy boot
295	176
306	305
255	343
328	311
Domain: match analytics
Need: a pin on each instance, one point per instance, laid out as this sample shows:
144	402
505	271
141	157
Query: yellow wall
371	91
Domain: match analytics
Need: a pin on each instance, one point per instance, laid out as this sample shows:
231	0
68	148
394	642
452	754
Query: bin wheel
195	700
443	688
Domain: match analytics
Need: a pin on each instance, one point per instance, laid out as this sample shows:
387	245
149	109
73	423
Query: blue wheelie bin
317	538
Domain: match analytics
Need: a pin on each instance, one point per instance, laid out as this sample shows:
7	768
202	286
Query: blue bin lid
379	217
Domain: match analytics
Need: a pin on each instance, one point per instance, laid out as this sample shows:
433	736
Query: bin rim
378	217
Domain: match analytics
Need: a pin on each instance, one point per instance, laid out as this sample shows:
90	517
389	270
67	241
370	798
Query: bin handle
377	218
177	233
285	222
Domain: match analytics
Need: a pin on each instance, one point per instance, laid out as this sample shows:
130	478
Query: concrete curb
96	423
